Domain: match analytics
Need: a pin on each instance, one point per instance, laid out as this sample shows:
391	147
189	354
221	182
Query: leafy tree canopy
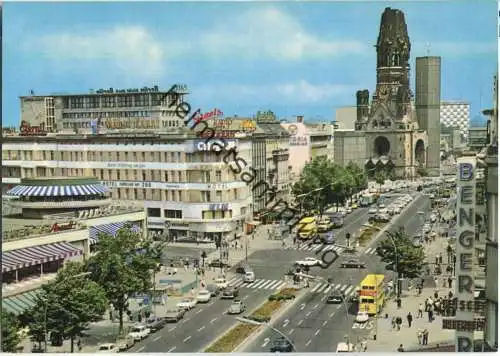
398	251
10	329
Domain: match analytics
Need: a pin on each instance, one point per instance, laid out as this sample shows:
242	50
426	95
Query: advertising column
464	286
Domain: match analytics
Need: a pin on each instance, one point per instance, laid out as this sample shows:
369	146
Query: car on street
344	347
309	262
382	211
124	343
281	345
381	206
230	292
139	332
217	263
354	206
335	299
433	218
221	282
237	307
187	303
155	324
379	217
352	263
203	296
372	210
108	348
174	315
213	289
362	317
426	228
348	210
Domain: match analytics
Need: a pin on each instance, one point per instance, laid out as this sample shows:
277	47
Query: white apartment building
186	187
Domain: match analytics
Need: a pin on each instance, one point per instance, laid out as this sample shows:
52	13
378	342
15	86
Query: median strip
369	232
235	336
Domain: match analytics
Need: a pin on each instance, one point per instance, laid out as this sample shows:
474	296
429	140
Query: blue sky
293	58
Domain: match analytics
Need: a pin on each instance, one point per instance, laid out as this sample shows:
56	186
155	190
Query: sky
294	58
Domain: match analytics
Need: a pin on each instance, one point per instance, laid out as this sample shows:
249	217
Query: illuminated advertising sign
464	290
214	145
137	123
154	89
27	130
218	134
215	113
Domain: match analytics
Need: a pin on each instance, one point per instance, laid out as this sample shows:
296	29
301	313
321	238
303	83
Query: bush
284	294
232	339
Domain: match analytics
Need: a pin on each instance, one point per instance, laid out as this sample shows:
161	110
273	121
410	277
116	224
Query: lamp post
253	322
45	333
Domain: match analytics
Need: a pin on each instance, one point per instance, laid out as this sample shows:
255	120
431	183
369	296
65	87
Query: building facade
345	117
180	179
477	138
455	114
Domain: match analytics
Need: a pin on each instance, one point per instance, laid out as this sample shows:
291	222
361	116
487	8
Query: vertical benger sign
464	287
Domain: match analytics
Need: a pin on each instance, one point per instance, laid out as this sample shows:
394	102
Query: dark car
352	263
335	299
230	292
242	268
213	289
217	263
155	324
174	315
281	345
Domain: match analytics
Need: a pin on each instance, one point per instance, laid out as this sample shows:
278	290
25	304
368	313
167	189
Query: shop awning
57	190
18	304
108	229
31	256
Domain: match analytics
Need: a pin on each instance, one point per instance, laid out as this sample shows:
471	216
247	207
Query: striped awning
108	229
20	303
57	190
31	256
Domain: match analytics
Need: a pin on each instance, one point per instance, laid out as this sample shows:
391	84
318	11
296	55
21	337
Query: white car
426	228
433	218
139	332
372	210
203	296
348	210
221	283
187	303
309	261
362	317
382	210
381	206
111	348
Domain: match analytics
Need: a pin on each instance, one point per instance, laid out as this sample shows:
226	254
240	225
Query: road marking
308	313
172	349
302	306
186	339
316	287
315	306
245	297
157	338
327	289
323	298
348	289
340	306
316	333
300	322
199	311
325	322
321	288
171	329
308	343
343	287
141	348
267	284
266	341
200	329
186	320
291	332
331	314
213	320
285	323
258	284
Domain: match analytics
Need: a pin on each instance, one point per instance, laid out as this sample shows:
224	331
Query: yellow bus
307	227
371	294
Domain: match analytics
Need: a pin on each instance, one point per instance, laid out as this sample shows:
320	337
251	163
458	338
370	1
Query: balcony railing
63	205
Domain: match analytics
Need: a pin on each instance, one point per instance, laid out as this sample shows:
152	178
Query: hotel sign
137	123
27	130
466	203
154	89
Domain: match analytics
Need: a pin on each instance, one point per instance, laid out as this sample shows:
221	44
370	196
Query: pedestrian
450	295
409	317
436	295
450	281
419	336
393	323
420	311
399	321
425	337
436	282
431	315
401	348
398	302
79	344
440	258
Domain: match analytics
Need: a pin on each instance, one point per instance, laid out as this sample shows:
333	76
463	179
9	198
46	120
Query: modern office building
179	179
455	114
116	109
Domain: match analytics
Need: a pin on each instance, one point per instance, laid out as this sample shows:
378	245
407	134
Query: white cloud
454	49
131	50
270	32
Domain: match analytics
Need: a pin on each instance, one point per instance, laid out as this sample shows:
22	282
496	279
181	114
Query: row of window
111	101
177	214
106	114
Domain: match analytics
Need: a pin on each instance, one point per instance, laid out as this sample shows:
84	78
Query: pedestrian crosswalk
325	288
370	251
267	284
315	247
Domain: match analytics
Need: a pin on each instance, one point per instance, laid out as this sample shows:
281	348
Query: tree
401	255
124	265
380	177
67	305
10	332
359	175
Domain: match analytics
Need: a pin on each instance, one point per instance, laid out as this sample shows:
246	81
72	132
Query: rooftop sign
27	130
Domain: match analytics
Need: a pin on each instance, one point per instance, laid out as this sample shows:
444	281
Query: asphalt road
313	325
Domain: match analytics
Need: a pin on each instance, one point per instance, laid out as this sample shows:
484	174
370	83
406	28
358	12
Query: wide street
310	319
313	325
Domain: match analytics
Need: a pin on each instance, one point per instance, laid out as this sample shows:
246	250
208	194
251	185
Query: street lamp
253	322
46	302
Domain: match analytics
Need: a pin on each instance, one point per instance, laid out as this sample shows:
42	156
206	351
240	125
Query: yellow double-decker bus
372	294
307	228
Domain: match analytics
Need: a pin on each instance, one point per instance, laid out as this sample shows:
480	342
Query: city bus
307	228
367	200
371	294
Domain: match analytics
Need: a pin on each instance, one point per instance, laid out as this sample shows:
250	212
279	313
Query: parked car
221	282
174	315
108	348
139	332
354	206
242	268
218	263
352	263
309	261
372	210
281	345
362	317
125	343
155	324
203	296
335	299
379	218
230	292
237	307
187	303
213	289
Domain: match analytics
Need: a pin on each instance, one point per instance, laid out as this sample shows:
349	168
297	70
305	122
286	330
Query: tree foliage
67	305
401	255
123	266
10	331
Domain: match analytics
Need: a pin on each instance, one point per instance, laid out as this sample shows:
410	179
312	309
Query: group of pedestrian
423	336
